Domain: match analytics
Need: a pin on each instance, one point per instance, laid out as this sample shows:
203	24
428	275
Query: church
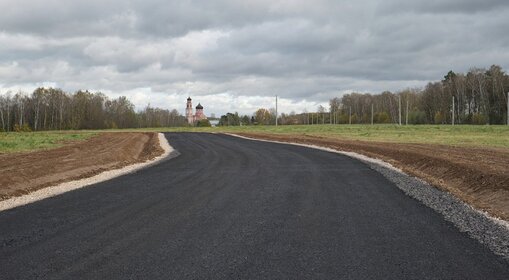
192	118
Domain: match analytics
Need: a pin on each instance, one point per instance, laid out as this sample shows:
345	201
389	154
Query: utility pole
350	116
399	101
371	113
276	110
453	110
406	118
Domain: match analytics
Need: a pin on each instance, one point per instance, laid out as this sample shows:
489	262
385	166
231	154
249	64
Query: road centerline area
234	208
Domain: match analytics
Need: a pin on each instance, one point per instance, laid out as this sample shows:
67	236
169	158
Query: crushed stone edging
489	231
77	184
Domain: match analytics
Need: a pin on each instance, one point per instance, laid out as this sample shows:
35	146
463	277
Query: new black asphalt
229	208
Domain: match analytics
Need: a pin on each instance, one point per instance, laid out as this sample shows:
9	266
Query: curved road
232	208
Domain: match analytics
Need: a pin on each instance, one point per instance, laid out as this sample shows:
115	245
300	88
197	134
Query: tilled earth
22	173
478	176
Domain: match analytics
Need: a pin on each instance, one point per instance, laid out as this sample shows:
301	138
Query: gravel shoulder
24	173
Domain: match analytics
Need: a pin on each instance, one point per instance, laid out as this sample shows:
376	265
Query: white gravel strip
77	184
488	230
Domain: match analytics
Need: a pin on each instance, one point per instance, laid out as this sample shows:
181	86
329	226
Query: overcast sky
237	55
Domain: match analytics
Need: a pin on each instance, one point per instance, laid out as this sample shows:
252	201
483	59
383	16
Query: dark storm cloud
57	18
298	49
440	6
119	17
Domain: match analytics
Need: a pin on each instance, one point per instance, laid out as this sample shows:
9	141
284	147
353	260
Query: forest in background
479	97
54	109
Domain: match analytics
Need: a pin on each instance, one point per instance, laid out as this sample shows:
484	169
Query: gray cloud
300	50
442	7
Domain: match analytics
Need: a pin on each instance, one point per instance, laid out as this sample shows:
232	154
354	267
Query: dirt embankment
478	176
22	173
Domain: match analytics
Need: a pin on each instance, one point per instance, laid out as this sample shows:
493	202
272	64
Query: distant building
214	122
192	118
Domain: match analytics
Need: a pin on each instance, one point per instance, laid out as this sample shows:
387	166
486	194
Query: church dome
199	106
189	98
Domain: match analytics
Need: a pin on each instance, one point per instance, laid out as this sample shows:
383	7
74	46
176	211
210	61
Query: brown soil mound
478	176
22	173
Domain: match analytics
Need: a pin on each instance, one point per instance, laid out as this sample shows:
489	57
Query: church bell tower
189	111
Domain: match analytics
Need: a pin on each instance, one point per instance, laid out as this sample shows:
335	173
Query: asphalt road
232	208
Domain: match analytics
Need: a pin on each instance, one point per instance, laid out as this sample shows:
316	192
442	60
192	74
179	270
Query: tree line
477	97
54	109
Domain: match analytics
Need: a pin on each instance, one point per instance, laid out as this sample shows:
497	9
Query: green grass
30	141
459	135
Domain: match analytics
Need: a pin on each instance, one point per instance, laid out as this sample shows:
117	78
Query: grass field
459	135
29	141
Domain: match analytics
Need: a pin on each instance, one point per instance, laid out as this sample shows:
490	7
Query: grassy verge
31	141
459	135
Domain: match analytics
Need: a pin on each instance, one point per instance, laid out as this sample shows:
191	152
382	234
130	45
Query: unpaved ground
22	173
478	176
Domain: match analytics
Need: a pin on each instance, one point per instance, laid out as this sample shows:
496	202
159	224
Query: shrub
382	117
343	118
479	119
203	123
23	128
439	118
417	117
